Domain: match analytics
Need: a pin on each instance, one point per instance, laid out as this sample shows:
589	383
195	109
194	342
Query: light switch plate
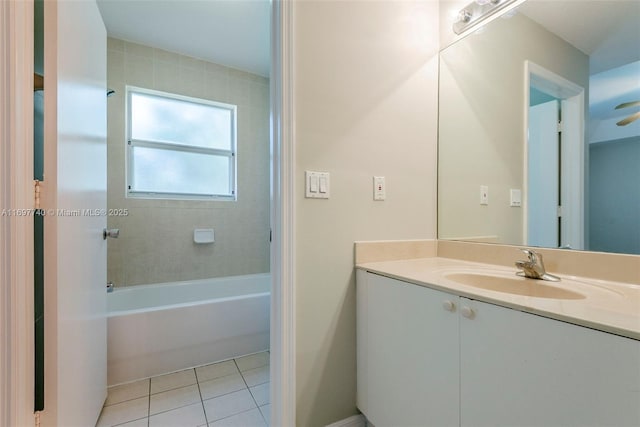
317	185
484	195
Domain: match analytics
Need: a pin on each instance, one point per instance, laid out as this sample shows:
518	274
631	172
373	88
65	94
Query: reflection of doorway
554	184
544	173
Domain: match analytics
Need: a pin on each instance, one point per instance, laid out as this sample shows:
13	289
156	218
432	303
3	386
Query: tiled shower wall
156	237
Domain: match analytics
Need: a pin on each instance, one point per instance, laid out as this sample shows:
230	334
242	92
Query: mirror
539	129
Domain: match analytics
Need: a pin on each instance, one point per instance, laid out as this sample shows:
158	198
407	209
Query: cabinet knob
449	305
467	312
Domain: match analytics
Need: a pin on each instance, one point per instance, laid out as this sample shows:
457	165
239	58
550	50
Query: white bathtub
156	329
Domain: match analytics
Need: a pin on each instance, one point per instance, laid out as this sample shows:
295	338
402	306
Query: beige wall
482	123
365	101
156	238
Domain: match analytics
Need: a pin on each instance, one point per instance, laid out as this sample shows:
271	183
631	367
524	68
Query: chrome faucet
533	267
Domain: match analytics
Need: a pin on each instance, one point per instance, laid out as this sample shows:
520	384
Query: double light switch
317	185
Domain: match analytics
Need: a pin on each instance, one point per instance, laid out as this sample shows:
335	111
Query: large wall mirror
539	129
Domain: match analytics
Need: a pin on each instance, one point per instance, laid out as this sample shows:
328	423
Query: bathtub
156	329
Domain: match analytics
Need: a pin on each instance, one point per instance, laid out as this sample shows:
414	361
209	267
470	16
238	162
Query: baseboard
354	421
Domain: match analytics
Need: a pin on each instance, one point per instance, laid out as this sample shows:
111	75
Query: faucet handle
531	254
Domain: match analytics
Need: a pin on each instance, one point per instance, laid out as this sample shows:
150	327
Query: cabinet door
412	355
519	369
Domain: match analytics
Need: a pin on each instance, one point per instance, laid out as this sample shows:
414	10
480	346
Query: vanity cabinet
407	344
429	358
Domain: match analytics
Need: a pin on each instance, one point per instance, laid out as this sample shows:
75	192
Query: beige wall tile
138	50
115	45
138	70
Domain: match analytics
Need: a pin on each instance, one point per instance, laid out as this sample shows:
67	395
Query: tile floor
232	393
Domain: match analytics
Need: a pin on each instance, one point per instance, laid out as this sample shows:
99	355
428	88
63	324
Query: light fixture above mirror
478	11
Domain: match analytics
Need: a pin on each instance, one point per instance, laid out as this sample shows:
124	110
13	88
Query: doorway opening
554	160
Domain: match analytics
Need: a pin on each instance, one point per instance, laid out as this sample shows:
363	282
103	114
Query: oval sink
514	285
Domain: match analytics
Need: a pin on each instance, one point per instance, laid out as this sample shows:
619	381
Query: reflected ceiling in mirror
507	173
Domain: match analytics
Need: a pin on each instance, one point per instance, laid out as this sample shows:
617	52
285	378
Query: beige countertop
607	306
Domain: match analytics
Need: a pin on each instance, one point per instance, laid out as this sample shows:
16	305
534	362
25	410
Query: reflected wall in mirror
532	150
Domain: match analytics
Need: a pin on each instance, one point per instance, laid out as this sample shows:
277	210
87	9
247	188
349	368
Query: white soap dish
203	235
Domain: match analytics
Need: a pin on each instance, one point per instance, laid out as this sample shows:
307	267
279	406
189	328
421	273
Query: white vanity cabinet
425	362
408	354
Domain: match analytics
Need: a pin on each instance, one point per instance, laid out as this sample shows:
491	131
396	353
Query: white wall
365	103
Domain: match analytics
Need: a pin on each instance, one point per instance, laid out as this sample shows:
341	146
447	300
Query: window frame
131	143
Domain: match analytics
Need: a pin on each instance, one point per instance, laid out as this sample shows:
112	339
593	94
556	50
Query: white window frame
184	148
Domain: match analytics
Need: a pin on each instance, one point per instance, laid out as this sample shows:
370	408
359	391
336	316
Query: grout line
266	421
130	421
220	419
173	409
247	385
201	399
149	405
218	378
174	388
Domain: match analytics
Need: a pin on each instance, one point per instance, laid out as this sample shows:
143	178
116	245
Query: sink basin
514	285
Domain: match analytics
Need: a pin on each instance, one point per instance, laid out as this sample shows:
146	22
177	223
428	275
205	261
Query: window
180	147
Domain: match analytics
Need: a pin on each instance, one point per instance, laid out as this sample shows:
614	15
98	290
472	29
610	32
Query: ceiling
235	33
609	32
606	30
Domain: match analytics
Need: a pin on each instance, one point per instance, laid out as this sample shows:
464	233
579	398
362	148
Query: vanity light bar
477	12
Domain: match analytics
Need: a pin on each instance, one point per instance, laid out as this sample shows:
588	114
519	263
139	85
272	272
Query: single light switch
313	183
323	183
515	197
484	195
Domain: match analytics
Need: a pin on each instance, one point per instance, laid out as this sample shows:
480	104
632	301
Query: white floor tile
216	370
266	413
256	376
228	405
124	392
122	412
253	361
252	418
261	393
173	399
187	416
220	386
171	381
142	422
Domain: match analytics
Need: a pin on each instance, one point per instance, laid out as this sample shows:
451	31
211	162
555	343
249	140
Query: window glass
156	118
168	171
180	147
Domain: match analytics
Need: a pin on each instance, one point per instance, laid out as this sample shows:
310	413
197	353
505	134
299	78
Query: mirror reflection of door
555	161
544	172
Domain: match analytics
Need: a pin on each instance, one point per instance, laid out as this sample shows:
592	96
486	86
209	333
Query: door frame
283	356
572	97
16	233
16	252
